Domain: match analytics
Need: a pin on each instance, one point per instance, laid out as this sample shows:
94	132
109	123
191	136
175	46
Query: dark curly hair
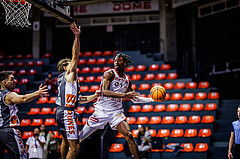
125	57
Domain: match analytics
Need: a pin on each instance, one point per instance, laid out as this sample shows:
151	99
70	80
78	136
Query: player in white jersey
68	97
108	108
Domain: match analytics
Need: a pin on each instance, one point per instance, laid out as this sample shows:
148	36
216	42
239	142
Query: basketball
158	93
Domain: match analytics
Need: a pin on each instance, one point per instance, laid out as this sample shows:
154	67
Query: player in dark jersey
10	137
68	97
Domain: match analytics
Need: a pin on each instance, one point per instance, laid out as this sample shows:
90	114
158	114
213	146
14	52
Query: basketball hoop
17	12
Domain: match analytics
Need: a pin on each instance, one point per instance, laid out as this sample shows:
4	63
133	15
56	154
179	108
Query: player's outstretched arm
138	99
14	98
87	99
72	69
107	77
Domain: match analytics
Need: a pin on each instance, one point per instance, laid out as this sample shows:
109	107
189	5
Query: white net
17	12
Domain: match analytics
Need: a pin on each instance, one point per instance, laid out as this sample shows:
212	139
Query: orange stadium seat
172	76
131	120
163	133
53	111
211	106
168	96
130	69
1	57
197	107
140	68
168	85
191	85
24	81
136	77
2	65
119	135
11	64
134	133
84	89
116	148
86	70
188	147
91	61
30	64
201	96
9	57
144	86
25	122
46	56
142	120
204	133
32	72
194	119
105	68
188	96
49	122
204	84
165	67
17	90
147	108
153	67
101	61
80	54
39	63
99	79
90	110
110	61
179	85
190	133
168	120
78	70
34	111
93	88
87	54
19	56
176	96
184	107
27	134
81	79
52	100
156	84
28	56
153	132
177	133
181	120
46	110
42	100
82	61
20	64
56	134
172	107
134	108
107	53
159	108
213	95
160	76
80	110
208	119
134	86
90	79
97	53
149	76
22	72
201	147
37	122
155	120
96	70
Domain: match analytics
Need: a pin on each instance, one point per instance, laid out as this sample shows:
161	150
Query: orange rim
16	1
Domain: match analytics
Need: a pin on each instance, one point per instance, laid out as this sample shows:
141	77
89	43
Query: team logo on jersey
70	100
70	122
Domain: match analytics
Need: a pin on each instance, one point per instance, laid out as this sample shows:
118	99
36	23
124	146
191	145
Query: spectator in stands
235	138
52	147
144	140
51	83
46	136
34	145
10	138
68	96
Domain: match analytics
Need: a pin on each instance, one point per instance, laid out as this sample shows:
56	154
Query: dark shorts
236	154
10	139
66	123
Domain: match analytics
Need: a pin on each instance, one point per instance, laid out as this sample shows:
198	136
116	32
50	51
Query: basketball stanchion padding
16	12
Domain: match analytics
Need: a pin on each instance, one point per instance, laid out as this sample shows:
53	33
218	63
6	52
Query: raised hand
43	91
76	31
132	95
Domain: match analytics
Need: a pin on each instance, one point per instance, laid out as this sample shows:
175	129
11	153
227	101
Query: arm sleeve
232	130
142	100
